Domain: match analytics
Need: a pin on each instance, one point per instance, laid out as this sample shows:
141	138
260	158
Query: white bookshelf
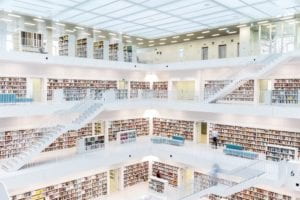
125	137
28	41
277	153
135	173
98	50
127	50
286	91
167	172
91	143
158	185
14	85
113	51
66	45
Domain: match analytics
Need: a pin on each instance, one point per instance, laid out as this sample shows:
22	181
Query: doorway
202	136
184	90
114	176
37	89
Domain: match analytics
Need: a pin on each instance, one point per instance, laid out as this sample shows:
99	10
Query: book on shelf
77	89
127	53
140	125
160	89
98	50
170	127
82	48
14	85
125	137
286	91
90	143
278	153
113	51
167	172
137	87
89	187
254	139
28	41
136	173
158	185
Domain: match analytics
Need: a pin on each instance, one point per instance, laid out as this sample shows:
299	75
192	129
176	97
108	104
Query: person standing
215	136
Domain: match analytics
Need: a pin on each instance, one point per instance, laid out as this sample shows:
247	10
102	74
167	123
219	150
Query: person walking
215	136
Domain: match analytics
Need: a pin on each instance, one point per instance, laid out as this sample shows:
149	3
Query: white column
3	35
90	49
120	49
108	182
106	136
195	133
151	126
245	47
122	178
44	90
256	91
105	50
72	46
197	90
134	54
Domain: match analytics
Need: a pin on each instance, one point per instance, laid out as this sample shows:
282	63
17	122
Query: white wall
192	50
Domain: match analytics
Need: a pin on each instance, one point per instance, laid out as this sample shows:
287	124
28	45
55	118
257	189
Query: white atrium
150	100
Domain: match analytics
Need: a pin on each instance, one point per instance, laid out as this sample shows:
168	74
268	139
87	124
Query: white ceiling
154	18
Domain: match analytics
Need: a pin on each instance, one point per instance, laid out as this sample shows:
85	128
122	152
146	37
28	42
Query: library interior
150	100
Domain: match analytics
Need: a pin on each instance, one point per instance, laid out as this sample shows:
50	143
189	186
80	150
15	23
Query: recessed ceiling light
113	34
175	37
222	29
38	20
263	22
86	33
70	31
29	24
215	35
190	34
151	41
151	45
174	41
231	32
139	39
115	39
242	25
60	24
5	20
200	37
163	39
140	43
78	27
205	32
13	15
186	39
129	41
101	36
162	43
50	27
97	31
126	36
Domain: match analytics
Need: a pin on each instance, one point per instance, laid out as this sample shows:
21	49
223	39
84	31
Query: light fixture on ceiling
69	31
200	37
13	15
113	34
204	32
29	24
287	17
150	45
186	39
140	43
222	29
128	41
50	27
190	34
162	43
151	41
78	27
175	37
115	39
242	25
139	39
97	31
126	36
215	35
163	39
101	36
263	22
60	24
231	32
5	20
38	20
174	41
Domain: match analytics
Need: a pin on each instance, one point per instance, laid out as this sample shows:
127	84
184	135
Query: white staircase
271	62
87	110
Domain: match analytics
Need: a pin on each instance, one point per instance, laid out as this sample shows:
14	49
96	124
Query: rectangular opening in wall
204	53
238	50
222	51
